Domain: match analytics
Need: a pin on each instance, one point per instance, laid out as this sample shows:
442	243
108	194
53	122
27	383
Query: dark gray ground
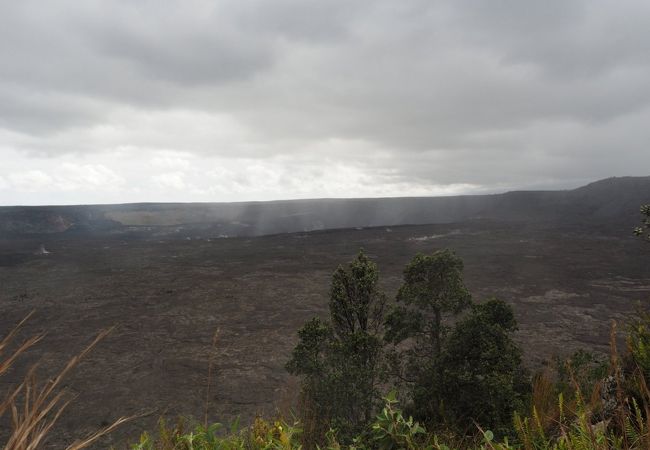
167	297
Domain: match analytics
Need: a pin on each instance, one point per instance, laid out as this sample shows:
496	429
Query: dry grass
34	407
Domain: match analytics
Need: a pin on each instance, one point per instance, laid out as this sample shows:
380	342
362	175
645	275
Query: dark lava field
167	297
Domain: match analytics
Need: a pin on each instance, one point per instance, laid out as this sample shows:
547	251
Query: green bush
433	290
481	379
340	360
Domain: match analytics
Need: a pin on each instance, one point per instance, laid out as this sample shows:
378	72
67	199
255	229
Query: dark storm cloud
494	94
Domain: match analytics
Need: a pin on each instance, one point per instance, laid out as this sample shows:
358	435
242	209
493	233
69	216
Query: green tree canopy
433	289
481	377
356	303
339	360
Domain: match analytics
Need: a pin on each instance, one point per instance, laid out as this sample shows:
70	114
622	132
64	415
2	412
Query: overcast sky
192	100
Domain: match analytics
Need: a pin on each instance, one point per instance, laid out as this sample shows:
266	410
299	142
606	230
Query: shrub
481	379
339	361
432	290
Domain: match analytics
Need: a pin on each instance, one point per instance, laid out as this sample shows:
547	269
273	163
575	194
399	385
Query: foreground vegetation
583	403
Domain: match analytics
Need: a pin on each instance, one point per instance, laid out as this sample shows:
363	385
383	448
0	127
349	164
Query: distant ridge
608	201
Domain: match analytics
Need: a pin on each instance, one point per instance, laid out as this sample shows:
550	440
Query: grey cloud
27	111
468	91
564	39
198	50
148	54
306	21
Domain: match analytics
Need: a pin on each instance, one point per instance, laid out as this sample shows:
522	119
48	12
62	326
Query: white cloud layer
197	100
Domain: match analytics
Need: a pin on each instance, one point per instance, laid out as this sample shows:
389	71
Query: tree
481	378
644	229
433	290
339	360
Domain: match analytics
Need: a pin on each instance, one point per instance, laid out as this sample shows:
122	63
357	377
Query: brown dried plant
35	407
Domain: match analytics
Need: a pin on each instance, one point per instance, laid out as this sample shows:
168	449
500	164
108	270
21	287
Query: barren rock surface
166	297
